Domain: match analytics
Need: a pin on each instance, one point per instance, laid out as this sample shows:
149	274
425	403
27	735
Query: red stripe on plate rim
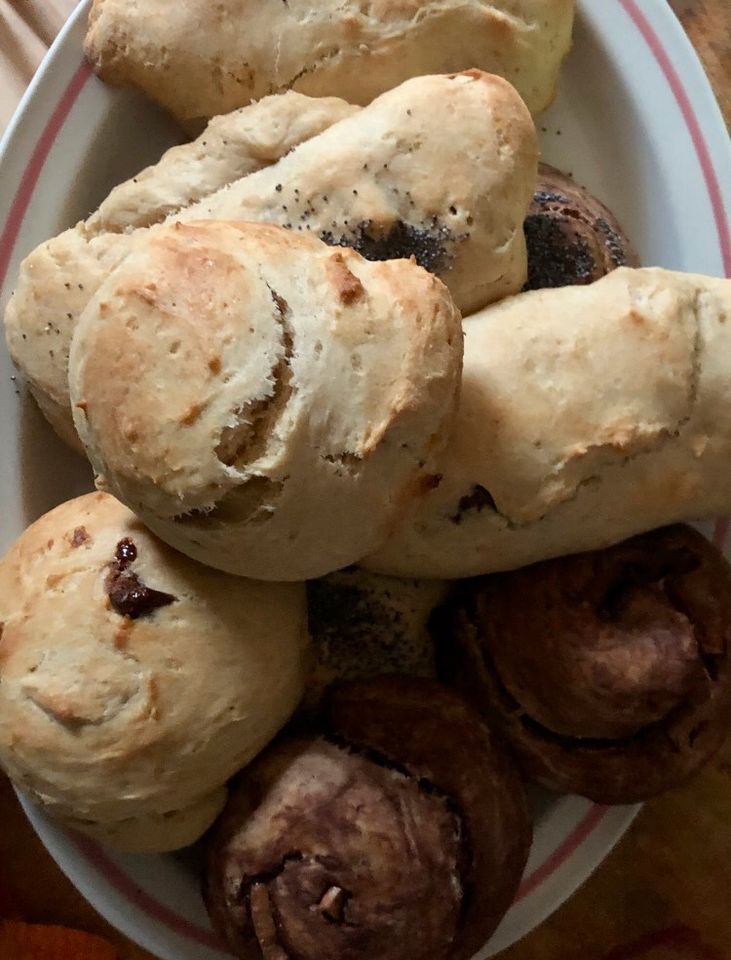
157	911
32	172
90	850
694	128
583	829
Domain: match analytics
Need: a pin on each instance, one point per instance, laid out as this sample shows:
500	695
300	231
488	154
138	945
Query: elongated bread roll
232	146
266	404
442	169
588	414
198	59
59	277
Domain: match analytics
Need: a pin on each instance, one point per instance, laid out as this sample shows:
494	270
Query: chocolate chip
125	553
128	595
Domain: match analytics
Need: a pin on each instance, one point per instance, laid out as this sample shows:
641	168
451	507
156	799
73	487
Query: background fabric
27	28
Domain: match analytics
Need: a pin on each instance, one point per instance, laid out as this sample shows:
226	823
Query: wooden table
665	892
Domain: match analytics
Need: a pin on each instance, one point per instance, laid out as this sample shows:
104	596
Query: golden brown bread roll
133	681
608	671
198	59
61	275
587	414
361	183
268	405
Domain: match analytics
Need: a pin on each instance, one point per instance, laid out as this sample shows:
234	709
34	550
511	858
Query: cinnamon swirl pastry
399	832
572	237
607	671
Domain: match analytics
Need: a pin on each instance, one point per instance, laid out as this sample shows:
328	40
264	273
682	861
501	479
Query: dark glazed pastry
607	671
572	237
399	833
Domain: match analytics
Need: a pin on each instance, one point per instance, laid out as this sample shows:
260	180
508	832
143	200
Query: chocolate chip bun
133	681
607	671
400	832
197	60
363	625
441	169
572	237
265	403
588	414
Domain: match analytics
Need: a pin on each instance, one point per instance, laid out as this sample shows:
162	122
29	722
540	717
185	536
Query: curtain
27	27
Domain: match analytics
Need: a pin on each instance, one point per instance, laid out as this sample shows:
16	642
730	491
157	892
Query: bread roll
588	414
232	146
268	405
134	682
197	60
443	169
60	276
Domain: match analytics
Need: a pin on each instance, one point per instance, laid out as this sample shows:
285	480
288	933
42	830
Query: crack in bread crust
244	442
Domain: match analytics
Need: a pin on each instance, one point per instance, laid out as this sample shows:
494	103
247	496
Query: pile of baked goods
373	403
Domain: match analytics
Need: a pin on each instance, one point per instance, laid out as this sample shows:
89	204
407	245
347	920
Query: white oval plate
635	120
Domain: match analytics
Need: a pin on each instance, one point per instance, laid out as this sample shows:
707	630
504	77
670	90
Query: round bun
572	238
245	389
607	671
400	832
134	682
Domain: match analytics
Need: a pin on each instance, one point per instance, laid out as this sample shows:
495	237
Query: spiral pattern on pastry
572	237
399	831
607	671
